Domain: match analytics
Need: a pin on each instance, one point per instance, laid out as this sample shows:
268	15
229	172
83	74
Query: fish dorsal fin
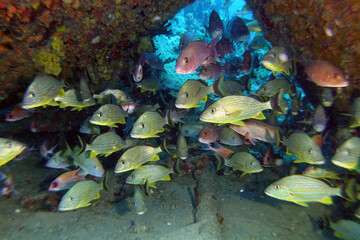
203	82
160	112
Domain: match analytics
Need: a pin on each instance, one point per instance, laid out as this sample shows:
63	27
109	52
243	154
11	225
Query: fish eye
186	60
277	187
100	114
8	144
142	125
213	110
309	151
133	176
273	55
32	94
251	163
54	185
71	198
186	94
123	162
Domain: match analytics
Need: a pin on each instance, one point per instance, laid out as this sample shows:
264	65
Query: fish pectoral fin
122	121
242	173
97	196
53	103
156	158
166	178
288	152
112	125
304	204
326	200
260	115
204	99
85	205
299	161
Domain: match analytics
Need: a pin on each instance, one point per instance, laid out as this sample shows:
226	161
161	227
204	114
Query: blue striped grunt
134	157
42	91
9	149
89	164
244	162
301	190
270	88
139	200
346	229
148	125
120	96
304	148
233	109
192	92
150	174
73	99
108	115
80	195
316	172
355	113
277	59
106	144
348	155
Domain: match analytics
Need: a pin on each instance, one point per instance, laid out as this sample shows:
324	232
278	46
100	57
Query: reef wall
323	29
58	37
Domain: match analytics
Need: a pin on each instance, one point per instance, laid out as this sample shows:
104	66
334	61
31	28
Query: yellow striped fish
121	96
139	200
316	172
192	92
348	155
80	195
134	157
302	190
108	115
149	173
346	229
106	144
42	91
244	162
355	112
9	149
148	125
233	109
181	146
270	88
89	164
72	98
304	148
277	59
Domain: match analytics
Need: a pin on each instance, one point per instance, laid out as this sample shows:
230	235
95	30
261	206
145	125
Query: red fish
195	54
7	186
129	108
220	150
17	114
138	71
325	74
66	180
45	152
209	134
247	61
269	156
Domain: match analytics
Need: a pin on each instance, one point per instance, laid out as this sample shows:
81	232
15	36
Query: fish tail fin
348	190
168	118
276	102
82	145
216	86
164	148
105	181
279	137
147	188
221	162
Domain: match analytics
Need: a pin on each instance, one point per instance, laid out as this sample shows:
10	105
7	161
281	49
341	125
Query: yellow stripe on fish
108	115
348	155
245	162
106	144
136	156
9	149
304	148
148	125
80	195
72	98
42	91
234	109
191	93
301	190
149	173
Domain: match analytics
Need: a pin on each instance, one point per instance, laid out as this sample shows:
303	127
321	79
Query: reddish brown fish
17	114
195	54
209	134
66	180
269	156
325	74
